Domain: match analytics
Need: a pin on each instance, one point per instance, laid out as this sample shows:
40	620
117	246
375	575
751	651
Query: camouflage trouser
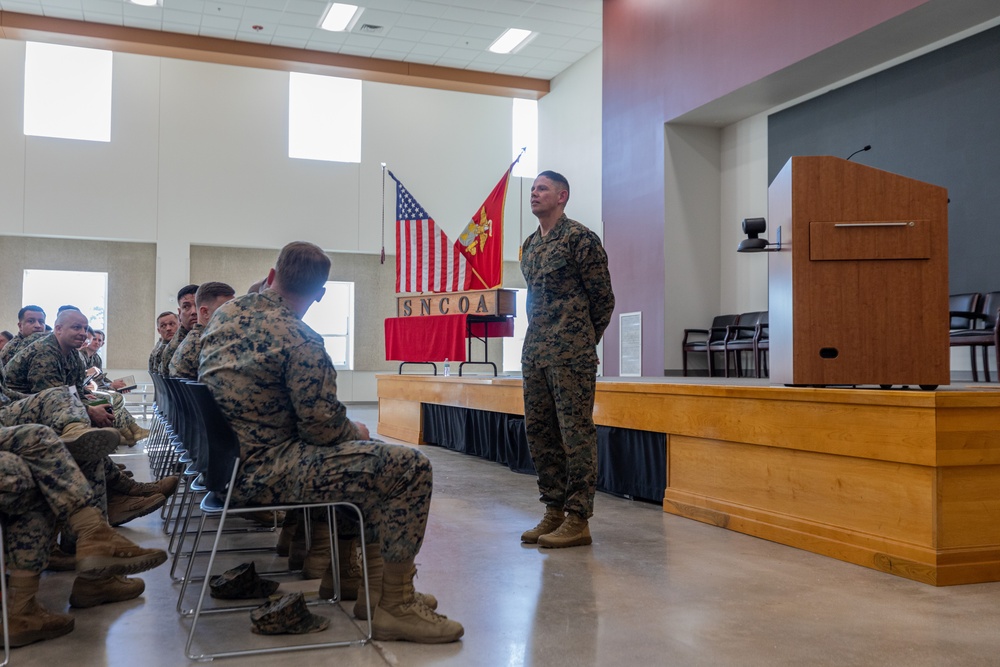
562	438
390	483
56	491
56	408
122	416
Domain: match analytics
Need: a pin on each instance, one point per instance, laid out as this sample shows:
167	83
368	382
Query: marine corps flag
482	241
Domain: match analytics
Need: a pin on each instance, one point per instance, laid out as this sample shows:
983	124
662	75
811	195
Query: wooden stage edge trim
904	482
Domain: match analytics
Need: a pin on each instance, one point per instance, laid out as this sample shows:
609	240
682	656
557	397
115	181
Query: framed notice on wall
630	350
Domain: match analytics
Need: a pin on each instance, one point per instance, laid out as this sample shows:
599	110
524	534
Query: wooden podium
858	292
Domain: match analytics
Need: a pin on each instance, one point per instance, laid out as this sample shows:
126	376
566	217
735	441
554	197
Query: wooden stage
902	481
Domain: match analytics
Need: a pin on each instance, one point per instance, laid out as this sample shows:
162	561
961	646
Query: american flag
426	261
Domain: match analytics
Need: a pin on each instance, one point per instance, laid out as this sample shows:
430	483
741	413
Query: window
67	92
333	319
525	135
324	118
87	290
512	346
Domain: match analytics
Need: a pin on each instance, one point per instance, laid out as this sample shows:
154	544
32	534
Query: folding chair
220	479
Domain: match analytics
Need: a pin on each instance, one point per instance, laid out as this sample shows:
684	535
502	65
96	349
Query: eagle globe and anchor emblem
476	234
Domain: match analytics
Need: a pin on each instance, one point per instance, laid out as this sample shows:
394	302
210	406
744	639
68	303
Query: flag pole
382	261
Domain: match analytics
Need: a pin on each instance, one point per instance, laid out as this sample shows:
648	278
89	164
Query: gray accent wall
935	118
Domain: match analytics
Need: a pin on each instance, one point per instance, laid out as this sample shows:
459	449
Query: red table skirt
437	337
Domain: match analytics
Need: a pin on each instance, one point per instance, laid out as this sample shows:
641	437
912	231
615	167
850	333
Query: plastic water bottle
447	368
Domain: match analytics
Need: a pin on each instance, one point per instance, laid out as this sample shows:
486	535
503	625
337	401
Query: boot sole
135	514
93	445
580	542
107	566
88	602
400	637
38	636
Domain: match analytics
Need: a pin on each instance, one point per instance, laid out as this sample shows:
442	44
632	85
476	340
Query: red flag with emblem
481	243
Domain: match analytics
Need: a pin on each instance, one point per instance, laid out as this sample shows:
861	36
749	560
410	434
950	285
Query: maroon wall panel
661	60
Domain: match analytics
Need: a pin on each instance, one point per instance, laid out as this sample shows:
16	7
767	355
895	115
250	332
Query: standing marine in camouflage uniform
42	486
187	315
30	321
208	298
166	326
569	306
275	383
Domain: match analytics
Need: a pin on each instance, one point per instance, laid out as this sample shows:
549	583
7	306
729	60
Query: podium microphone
860	150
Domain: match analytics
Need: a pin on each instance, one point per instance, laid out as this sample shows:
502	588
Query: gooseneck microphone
860	150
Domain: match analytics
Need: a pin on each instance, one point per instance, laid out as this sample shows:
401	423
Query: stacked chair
192	432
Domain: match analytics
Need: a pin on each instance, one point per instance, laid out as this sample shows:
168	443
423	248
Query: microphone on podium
860	150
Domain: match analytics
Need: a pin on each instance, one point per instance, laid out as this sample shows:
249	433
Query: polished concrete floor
653	589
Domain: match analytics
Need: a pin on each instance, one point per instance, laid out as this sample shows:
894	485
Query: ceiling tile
431	9
438	38
23	7
177	16
455	32
108	19
213	22
102	6
289	42
434	50
182	28
357	51
414	22
218	33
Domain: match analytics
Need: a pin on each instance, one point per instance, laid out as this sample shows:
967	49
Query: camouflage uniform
42	365
56	491
275	383
154	356
15	344
184	363
171	347
569	306
57	407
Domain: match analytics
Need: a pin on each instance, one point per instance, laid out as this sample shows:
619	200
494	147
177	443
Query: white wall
692	182
569	131
743	194
199	156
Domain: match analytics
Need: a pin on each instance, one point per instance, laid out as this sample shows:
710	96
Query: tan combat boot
89	444
351	582
164	487
318	559
122	508
90	592
127	438
286	535
29	621
101	552
400	616
348	555
574	532
138	432
553	518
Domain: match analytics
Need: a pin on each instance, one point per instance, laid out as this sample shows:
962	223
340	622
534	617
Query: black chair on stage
742	338
984	332
220	480
707	341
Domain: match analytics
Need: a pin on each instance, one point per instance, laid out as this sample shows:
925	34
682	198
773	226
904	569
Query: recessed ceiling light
145	3
510	40
339	17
